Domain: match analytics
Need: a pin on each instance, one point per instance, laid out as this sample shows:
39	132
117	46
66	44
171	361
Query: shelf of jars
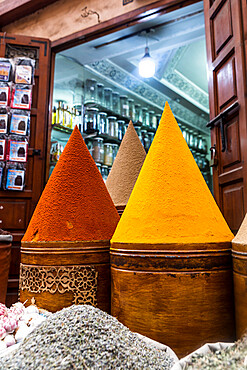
103	116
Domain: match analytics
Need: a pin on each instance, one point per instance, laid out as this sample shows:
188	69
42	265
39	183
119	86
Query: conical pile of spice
171	201
66	246
75	204
172	246
239	260
126	167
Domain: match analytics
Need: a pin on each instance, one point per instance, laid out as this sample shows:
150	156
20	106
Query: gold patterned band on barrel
81	280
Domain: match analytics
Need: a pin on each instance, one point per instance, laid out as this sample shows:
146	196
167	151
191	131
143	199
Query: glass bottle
115	102
91	120
108	154
121	129
138	114
131	108
90	90
100	93
102	123
124	106
98	150
108	98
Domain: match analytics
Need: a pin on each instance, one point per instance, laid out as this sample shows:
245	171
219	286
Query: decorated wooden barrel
239	259
171	252
65	250
125	169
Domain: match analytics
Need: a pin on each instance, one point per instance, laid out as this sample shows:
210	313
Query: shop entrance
97	85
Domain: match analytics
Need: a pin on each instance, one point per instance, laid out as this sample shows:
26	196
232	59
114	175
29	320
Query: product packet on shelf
6	68
4	115
19	122
24	71
17	148
3	141
21	97
14	176
2	166
4	94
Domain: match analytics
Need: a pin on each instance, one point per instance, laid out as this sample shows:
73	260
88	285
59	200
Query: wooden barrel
59	274
239	259
179	295
5	258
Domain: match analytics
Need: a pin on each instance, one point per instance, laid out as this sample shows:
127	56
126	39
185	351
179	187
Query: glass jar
108	98
90	90
91	120
90	146
185	134
152	119
115	148
204	145
191	138
108	154
138	131
145	140
124	106
158	117
145	116
100	93
131	108
200	143
115	102
102	123
138	114
98	166
98	150
113	126
196	141
121	129
104	172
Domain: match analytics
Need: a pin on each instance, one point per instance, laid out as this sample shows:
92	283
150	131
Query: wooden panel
232	154
12	213
222	27
233	208
226	82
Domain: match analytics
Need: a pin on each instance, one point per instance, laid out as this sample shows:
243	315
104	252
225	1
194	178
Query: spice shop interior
99	86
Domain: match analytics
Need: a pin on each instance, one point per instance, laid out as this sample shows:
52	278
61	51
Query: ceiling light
146	65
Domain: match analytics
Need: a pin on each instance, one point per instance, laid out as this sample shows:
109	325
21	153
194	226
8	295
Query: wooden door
224	23
16	207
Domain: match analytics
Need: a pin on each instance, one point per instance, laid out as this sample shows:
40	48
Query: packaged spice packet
17	149
2	166
21	97
3	141
4	94
14	176
4	116
6	68
19	122
24	71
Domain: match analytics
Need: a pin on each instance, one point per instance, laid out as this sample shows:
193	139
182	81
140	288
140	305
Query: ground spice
171	202
241	236
126	167
75	204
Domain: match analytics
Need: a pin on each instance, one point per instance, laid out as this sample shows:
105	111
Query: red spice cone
75	204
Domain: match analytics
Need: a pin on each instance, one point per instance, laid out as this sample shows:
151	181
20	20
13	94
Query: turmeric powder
171	202
75	204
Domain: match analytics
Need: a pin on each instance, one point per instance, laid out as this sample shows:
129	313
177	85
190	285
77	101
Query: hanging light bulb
146	65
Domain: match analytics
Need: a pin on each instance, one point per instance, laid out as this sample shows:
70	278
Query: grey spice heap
84	337
231	358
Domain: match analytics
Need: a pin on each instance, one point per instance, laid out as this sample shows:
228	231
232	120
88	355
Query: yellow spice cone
171	202
126	167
